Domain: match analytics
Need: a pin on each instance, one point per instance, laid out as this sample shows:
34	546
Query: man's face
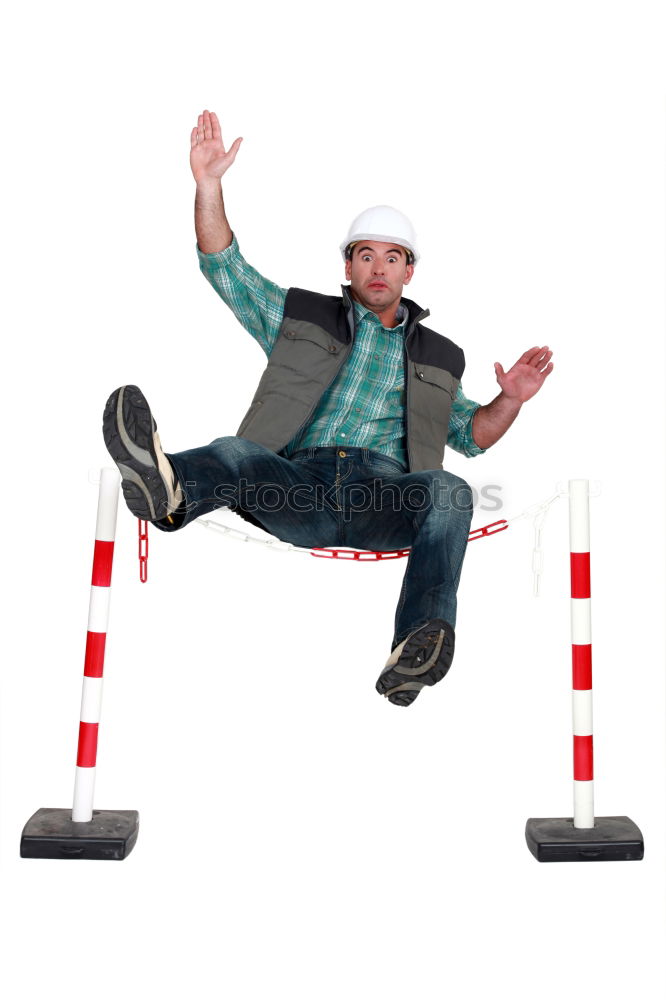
377	272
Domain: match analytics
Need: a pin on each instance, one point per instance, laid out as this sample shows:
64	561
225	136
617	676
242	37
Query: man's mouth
377	284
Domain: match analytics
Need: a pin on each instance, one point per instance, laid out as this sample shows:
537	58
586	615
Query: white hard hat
385	225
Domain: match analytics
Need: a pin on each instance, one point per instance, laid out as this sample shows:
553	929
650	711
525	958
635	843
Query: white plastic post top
107	509
579	515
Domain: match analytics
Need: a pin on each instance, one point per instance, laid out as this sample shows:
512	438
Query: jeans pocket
381	465
302	458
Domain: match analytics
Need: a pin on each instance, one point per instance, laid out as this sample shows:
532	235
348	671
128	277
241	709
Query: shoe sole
128	434
424	660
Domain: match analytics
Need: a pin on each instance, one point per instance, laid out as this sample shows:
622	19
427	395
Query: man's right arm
258	304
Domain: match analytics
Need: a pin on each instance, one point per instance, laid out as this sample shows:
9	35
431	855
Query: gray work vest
315	339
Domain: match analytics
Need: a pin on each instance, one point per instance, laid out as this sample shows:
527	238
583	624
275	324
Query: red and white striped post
93	670
582	838
102	834
581	652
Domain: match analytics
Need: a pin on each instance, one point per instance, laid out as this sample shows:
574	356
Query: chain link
143	551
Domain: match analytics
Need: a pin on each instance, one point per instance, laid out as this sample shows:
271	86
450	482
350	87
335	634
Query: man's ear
348	270
409	271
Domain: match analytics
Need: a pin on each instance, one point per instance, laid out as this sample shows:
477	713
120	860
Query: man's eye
366	257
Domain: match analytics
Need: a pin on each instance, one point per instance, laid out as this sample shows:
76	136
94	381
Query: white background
300	836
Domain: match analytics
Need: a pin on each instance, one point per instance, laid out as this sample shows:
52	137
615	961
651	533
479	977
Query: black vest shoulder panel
431	348
326	311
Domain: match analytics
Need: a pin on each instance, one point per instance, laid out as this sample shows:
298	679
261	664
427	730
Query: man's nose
378	267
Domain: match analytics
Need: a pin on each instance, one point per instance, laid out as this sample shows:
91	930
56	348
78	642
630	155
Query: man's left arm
518	385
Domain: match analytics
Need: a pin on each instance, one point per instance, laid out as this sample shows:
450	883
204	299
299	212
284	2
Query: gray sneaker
421	659
149	483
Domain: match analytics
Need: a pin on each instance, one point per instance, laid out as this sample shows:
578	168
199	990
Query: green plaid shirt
364	407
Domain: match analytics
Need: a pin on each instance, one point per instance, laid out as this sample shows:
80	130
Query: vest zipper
408	334
348	302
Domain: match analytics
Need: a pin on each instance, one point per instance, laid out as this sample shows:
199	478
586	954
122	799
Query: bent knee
441	490
235	446
460	492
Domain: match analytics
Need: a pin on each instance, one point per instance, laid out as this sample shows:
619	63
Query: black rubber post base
612	838
109	836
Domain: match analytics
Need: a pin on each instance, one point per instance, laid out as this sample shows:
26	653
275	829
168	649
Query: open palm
208	157
527	375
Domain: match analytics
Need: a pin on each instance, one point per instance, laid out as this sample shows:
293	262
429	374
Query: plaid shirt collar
402	315
407	310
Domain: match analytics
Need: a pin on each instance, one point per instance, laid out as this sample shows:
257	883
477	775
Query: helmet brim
378	238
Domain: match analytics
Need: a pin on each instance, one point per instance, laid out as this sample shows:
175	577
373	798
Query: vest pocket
298	330
431	394
431	375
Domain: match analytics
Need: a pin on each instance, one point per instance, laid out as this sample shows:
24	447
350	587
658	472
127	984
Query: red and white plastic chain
537	512
355	555
143	551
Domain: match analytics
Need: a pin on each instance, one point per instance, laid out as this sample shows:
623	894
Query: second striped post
581	652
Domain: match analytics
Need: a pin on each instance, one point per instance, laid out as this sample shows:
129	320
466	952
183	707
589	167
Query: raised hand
527	376
208	157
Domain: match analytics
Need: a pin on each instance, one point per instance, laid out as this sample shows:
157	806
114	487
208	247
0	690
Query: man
344	440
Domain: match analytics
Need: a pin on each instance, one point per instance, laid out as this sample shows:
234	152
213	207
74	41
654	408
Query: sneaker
149	483
422	658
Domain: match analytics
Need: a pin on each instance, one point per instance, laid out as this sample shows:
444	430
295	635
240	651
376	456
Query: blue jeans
341	497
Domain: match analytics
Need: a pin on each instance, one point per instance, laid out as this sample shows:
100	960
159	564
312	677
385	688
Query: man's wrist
209	185
509	402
